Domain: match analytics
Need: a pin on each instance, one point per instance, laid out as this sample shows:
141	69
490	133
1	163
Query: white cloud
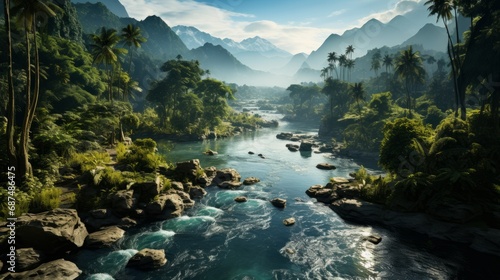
224	23
394	8
337	13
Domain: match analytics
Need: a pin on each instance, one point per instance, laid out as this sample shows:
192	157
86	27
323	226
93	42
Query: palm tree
105	51
409	68
324	73
430	60
332	60
387	62
357	92
375	64
342	64
131	37
350	65
26	12
349	50
443	10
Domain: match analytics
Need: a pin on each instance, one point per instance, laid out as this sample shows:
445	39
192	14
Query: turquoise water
222	239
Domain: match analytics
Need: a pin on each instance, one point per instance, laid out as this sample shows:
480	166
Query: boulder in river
104	238
241	199
55	231
279	202
211	153
284	135
123	202
251	181
148	259
326	166
375	239
289	221
28	258
306	146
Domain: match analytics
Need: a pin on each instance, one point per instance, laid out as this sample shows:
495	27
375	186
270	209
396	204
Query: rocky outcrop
251	181
104	238
293	147
54	231
211	153
58	269
485	240
279	202
196	192
148	259
188	170
375	239
284	135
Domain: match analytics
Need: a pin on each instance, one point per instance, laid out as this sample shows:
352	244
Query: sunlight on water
189	225
209	211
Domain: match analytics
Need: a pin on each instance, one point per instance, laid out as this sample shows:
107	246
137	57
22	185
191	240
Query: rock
284	136
187	170
105	219
186	199
210	171
231	185
197	192
148	259
289	221
251	153
375	239
177	186
326	149
147	190
58	269
104	238
123	202
99	213
326	166
322	194
251	181
293	149
28	258
55	231
279	202
211	153
452	210
305	146
294	139
339	180
241	199
166	206
290	251
227	178
348	191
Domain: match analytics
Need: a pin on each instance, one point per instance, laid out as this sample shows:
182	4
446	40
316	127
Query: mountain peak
114	6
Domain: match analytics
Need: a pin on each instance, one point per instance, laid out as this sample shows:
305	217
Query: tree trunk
11	148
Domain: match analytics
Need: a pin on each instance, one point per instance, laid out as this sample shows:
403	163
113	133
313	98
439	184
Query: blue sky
293	25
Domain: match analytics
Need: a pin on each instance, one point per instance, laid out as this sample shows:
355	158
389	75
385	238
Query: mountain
255	52
373	34
431	37
113	6
293	65
162	43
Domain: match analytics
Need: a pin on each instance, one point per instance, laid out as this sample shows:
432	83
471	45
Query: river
222	239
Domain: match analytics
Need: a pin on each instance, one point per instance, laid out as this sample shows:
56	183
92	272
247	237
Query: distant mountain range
256	61
255	52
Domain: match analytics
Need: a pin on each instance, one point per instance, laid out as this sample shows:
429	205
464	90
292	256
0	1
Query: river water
222	239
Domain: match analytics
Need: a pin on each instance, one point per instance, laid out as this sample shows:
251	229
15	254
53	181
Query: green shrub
88	160
46	199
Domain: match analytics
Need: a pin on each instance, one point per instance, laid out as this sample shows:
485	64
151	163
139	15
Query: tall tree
214	94
11	148
443	10
357	93
132	37
342	65
387	62
27	13
350	63
332	63
409	69
375	63
104	51
349	51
